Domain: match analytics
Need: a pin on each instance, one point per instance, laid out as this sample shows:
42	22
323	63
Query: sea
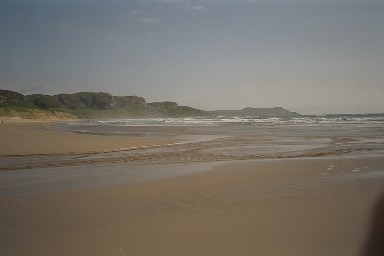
304	120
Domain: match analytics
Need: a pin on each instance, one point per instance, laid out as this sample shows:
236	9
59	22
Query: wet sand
266	207
301	206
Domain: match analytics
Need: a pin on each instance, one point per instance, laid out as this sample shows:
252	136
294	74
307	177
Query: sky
309	56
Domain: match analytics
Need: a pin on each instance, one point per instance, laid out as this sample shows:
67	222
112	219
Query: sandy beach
298	206
25	137
191	128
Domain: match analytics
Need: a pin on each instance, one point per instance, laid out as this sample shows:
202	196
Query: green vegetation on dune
45	101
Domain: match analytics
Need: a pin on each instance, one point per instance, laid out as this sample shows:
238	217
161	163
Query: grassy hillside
105	105
87	105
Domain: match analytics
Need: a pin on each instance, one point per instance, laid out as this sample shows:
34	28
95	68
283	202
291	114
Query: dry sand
267	207
24	137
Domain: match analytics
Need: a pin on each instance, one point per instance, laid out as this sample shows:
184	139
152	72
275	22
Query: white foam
314	120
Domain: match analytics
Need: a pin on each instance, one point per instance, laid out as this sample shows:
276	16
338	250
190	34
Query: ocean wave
248	120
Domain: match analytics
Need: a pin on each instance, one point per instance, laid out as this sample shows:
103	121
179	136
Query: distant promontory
104	105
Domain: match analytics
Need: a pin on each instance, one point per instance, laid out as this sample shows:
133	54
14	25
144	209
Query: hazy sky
310	56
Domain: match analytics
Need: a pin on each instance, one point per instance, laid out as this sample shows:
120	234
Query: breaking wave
312	120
